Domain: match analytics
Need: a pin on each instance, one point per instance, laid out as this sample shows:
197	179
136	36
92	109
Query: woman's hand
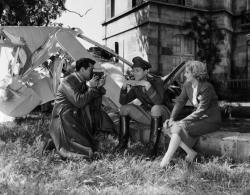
168	123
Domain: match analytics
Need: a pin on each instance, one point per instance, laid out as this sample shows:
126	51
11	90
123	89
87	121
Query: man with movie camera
77	112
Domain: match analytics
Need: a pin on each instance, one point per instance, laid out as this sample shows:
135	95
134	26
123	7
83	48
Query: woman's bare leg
172	147
175	142
191	154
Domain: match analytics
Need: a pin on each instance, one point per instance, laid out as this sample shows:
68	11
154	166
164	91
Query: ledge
121	15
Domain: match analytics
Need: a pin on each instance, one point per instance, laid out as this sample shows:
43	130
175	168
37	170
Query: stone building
153	29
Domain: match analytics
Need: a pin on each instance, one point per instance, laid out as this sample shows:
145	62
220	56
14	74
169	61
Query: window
181	2
248	60
176	61
110	8
183	50
183	45
188	3
177	44
248	5
188	45
136	2
117	47
133	3
117	50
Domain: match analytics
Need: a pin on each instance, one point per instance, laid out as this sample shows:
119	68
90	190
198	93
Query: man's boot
123	133
155	133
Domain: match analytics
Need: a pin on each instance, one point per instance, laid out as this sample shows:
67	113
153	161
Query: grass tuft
23	170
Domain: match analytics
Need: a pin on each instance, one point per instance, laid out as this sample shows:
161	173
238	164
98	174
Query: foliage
24	171
207	35
30	12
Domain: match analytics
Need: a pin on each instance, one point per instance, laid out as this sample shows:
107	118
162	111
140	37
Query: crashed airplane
32	61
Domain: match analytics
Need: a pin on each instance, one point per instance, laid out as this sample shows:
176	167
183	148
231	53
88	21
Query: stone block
231	144
222	143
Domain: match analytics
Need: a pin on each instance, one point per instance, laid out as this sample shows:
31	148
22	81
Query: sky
91	22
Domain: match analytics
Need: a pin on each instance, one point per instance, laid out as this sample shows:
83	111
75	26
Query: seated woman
205	119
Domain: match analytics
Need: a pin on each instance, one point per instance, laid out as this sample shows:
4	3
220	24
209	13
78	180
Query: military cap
139	62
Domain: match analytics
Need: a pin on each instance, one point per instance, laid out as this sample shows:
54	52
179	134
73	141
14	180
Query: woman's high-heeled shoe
190	157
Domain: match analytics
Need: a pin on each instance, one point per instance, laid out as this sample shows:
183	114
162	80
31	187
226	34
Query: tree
207	35
30	12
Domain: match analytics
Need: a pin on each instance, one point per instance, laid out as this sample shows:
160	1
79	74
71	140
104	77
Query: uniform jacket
207	103
153	96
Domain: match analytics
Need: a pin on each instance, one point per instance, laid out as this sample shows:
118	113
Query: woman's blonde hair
198	70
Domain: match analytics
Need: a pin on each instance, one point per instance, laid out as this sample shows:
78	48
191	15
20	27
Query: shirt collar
79	78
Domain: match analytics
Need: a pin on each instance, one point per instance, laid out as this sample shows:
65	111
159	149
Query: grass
23	170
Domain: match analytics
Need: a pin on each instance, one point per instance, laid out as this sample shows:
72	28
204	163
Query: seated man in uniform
77	112
149	90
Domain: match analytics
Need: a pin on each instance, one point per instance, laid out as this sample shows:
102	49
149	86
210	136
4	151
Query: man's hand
144	83
93	82
128	82
102	81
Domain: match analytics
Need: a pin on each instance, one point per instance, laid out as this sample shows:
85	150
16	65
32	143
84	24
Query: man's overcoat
72	122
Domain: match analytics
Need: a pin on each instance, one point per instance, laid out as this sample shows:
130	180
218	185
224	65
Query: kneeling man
74	116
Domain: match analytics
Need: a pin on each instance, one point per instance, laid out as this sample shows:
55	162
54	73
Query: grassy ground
23	170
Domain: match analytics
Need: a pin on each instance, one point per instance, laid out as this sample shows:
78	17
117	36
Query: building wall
132	43
224	22
170	49
167	43
221	4
130	32
240	5
117	7
152	31
202	4
240	57
240	65
132	20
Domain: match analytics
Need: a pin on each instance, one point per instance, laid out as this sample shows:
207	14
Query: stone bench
232	144
226	142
